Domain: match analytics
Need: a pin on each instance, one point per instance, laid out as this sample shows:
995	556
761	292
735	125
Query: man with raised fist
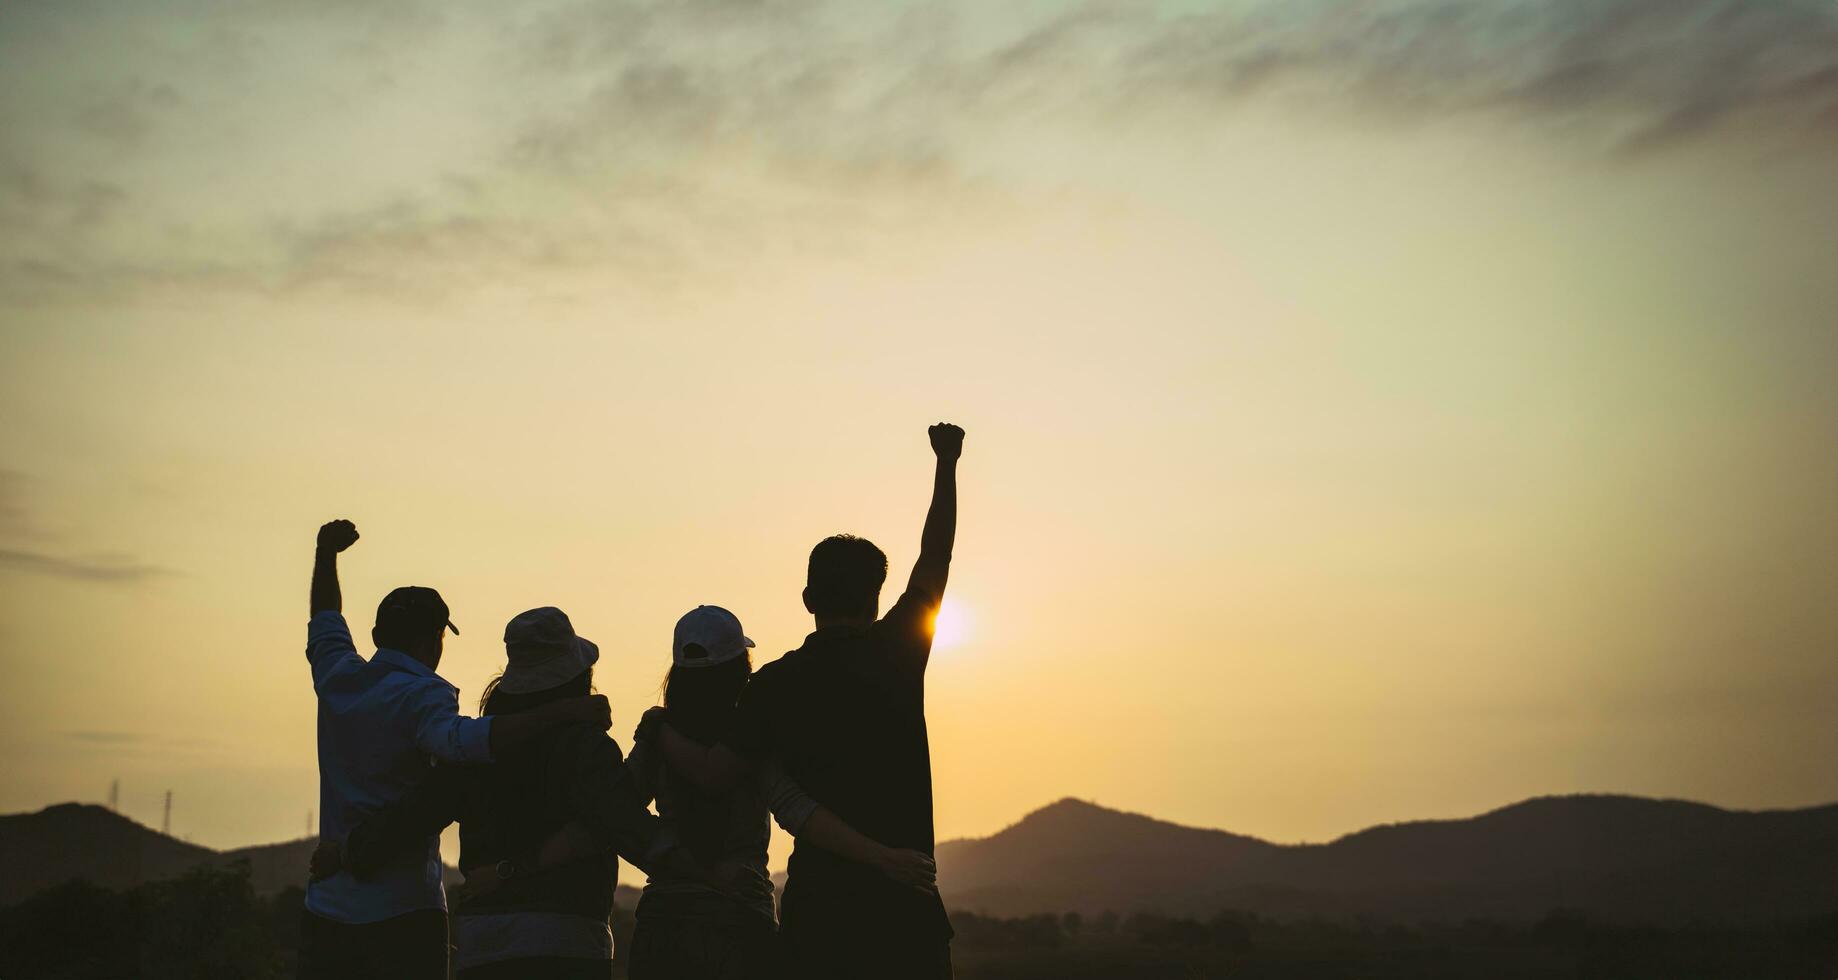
845	713
381	721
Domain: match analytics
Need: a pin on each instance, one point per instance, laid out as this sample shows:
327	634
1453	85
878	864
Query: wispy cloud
96	568
18	527
14	523
108	738
1634	69
638	135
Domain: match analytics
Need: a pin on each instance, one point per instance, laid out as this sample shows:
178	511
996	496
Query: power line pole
166	821
114	796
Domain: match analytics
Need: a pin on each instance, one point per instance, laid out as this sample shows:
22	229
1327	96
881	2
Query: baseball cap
413	610
706	636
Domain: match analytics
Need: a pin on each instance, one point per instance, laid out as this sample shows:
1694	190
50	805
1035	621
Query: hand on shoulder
648	723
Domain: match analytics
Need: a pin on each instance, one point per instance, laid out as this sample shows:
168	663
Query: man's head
413	619
844	582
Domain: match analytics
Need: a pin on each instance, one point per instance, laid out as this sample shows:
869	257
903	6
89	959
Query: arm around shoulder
406	824
712	768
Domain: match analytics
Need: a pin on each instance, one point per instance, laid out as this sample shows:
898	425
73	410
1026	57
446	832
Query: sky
1376	410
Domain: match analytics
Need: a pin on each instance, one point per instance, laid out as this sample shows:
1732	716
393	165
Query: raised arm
334	537
935	542
329	650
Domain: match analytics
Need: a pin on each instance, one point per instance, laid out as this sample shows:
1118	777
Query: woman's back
516	804
728	830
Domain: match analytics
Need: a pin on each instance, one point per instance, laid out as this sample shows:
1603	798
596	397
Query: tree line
210	924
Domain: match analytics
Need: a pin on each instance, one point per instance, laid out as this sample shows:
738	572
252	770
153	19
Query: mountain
77	840
273	867
1616	858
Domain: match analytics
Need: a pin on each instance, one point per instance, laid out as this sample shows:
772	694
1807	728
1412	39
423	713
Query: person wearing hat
567	794
380	721
688	928
845	714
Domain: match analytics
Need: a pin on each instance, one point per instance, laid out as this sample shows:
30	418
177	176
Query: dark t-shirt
846	714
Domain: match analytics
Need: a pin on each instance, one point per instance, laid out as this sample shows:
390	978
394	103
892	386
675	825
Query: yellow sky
1324	467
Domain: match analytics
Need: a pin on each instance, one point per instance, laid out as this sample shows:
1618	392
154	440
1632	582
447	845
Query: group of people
829	739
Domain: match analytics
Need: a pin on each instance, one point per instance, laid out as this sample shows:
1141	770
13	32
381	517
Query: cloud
17	525
1636	72
249	154
1634	69
108	738
96	568
14	522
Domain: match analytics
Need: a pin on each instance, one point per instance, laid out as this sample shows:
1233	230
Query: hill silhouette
77	840
1614	858
1617	858
70	841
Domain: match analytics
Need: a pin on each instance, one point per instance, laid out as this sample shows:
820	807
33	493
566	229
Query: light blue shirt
381	722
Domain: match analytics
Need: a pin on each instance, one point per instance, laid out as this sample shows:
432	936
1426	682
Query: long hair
701	699
496	702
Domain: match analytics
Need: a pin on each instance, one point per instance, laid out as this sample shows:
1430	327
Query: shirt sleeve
442	732
904	635
790	805
641	761
597	785
329	650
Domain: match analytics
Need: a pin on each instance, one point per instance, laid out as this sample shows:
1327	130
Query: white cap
712	633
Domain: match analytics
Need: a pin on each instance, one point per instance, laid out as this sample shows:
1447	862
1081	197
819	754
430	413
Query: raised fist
336	536
947	440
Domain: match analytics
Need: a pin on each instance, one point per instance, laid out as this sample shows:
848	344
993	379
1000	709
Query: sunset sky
1376	410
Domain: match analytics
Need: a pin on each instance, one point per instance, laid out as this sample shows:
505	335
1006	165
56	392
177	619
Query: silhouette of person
380	720
686	929
522	916
846	715
539	829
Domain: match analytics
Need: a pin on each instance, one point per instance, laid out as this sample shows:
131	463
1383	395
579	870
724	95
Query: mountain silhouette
1614	858
1617	858
77	840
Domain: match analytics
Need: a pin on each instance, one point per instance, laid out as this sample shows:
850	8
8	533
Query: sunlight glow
952	627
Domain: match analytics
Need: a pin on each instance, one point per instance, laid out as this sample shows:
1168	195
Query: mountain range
1615	858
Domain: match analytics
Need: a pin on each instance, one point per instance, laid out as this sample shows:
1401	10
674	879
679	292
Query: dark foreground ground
211	924
1244	947
1114	963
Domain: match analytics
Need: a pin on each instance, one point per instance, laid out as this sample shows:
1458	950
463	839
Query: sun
952	627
